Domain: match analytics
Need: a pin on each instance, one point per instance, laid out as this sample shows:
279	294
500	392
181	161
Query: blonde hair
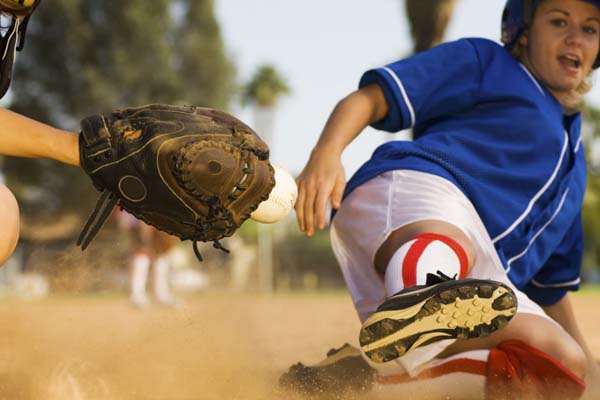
571	101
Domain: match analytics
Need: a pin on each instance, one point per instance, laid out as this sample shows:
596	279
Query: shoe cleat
415	317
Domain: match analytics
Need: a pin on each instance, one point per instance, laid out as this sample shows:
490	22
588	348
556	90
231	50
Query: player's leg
429	299
140	265
162	289
162	244
409	204
144	254
462	377
510	370
455	373
536	330
344	371
367	218
463	248
462	308
9	227
393	210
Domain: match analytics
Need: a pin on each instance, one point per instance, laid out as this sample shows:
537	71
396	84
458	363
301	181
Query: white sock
161	280
426	253
139	277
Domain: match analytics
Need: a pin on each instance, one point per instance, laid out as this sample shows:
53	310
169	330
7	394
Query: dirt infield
219	346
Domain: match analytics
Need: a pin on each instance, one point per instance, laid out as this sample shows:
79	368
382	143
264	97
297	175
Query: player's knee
519	370
561	347
9	228
572	356
424	254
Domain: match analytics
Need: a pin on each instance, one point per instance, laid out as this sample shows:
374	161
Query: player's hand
322	179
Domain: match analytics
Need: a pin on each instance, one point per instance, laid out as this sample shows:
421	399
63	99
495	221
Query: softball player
489	192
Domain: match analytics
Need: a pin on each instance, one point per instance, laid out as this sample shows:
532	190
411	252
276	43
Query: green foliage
201	57
265	87
82	57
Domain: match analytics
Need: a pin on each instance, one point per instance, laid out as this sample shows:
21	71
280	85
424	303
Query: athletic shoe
444	308
343	371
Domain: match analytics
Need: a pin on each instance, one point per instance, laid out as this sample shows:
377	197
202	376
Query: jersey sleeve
561	273
428	85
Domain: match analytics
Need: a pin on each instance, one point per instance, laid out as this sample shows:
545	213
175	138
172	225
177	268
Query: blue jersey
483	122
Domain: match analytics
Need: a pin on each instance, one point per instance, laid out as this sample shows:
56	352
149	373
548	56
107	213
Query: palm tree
428	21
263	92
265	87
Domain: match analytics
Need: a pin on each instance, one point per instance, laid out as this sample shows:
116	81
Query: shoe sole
458	310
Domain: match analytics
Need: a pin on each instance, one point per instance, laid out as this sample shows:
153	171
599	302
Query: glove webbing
104	207
106	203
216	245
213	211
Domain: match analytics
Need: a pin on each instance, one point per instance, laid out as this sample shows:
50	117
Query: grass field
219	346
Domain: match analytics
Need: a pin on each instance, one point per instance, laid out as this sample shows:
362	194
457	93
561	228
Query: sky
322	47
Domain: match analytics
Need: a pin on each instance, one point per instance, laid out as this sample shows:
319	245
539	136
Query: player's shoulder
482	47
476	42
483	43
485	46
490	52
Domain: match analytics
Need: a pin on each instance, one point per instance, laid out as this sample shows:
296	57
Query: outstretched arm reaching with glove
24	137
192	172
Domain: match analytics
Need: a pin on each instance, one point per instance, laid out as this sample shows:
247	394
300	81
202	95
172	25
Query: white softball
281	199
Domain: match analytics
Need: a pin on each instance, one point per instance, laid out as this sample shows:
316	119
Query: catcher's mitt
20	8
196	173
12	38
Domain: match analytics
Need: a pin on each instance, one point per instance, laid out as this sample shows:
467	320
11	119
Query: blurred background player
491	188
149	250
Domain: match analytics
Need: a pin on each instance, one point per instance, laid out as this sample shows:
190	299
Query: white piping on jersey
577	144
404	95
556	285
538	194
521	254
542	91
532	78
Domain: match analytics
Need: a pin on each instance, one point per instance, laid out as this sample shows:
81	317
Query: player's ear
524	39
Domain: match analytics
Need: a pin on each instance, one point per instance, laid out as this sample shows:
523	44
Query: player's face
562	43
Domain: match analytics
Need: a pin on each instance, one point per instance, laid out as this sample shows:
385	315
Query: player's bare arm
323	177
24	137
